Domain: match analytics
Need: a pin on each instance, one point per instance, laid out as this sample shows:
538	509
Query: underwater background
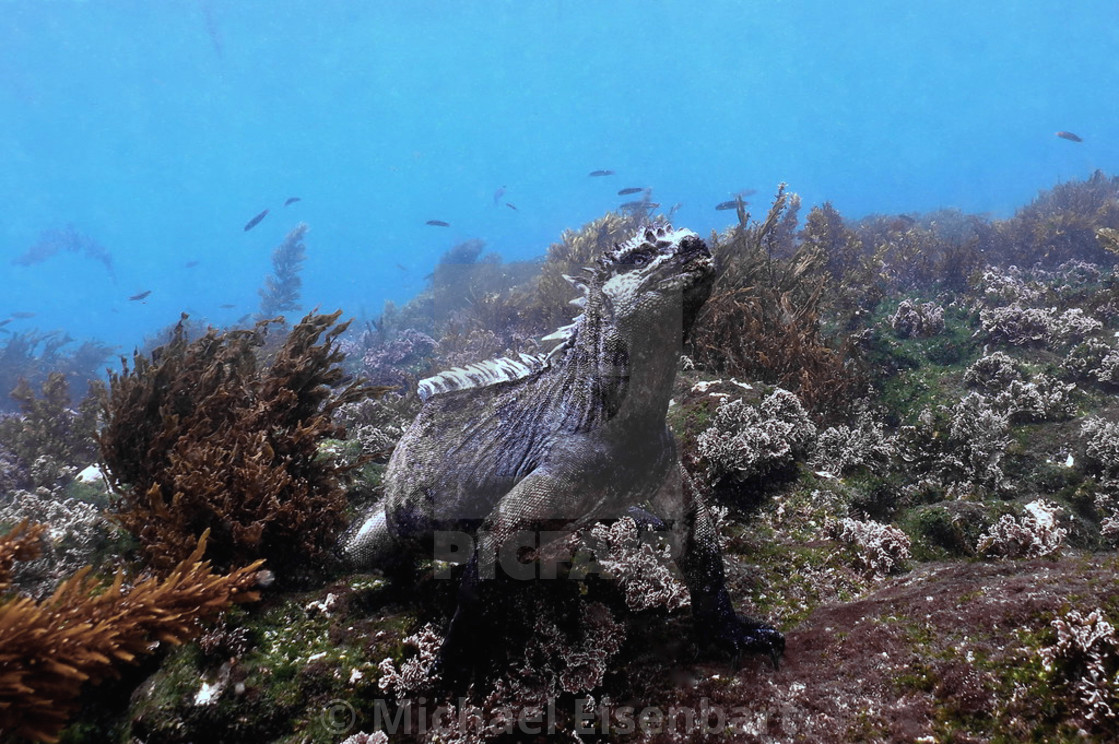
141	137
898	402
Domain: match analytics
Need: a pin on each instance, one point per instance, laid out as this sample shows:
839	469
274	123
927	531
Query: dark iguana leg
461	655
538	504
699	558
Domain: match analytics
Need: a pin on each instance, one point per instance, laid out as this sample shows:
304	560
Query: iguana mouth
697	272
693	266
694	255
693	244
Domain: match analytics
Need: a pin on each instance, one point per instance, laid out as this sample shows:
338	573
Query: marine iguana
560	440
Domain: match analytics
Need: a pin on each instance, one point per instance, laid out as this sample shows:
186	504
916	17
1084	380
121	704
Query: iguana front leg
696	547
541	505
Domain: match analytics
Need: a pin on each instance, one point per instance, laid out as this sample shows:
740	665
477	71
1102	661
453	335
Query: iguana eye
637	258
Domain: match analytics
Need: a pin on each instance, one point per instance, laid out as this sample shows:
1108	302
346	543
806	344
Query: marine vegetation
79	535
1061	224
479	307
50	440
204	435
764	318
84	632
400	362
34	355
280	293
68	240
47	476
747	443
902	253
467	291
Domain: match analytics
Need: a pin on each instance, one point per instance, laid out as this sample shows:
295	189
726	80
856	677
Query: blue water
158	129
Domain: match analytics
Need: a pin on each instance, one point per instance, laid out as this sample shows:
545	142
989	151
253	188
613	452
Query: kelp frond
22	543
50	649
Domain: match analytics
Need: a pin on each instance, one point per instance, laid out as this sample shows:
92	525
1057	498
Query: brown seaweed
204	435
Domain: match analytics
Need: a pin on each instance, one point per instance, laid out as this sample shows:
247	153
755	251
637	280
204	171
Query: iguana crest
638	252
480	374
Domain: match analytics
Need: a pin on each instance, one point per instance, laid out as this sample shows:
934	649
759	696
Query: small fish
1069	136
227	306
140	296
732	204
631	190
497	196
22	315
5	322
190	264
512	206
633	205
600	173
438	223
291	200
746	192
255	220
402	267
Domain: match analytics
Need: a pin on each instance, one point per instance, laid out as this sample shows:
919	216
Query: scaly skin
577	437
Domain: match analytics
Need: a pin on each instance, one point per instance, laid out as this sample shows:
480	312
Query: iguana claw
742	636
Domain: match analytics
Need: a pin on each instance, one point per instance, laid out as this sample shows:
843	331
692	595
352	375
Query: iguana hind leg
696	547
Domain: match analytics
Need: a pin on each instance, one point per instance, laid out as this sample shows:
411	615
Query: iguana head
658	275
